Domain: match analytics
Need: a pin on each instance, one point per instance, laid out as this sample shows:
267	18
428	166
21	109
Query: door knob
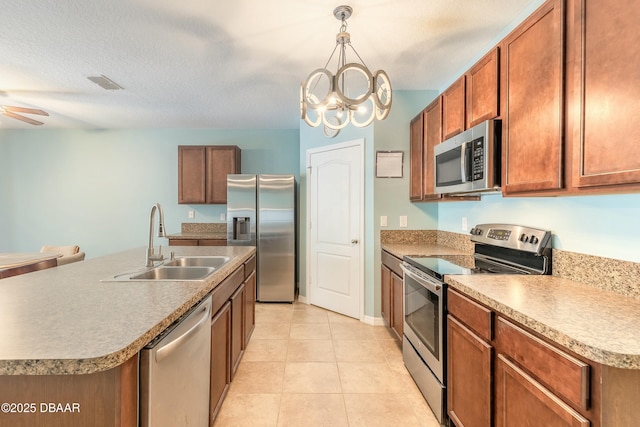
354	241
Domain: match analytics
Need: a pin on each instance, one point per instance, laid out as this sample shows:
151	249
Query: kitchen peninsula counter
202	235
66	320
597	324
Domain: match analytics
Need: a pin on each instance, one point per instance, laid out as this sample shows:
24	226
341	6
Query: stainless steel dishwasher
175	372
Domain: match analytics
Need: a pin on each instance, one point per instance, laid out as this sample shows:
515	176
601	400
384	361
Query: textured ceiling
215	64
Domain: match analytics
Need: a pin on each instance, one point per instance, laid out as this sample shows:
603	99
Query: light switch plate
192	214
383	221
464	223
403	220
222	218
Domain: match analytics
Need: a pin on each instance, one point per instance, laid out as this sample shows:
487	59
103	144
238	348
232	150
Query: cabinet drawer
563	374
183	242
520	399
249	266
212	242
472	314
392	262
226	288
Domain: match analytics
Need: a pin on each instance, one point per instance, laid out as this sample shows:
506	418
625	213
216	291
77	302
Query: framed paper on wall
389	164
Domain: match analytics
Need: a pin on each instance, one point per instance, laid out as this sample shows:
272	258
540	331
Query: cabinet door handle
354	241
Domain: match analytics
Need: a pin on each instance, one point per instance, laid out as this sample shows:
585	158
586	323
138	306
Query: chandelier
354	94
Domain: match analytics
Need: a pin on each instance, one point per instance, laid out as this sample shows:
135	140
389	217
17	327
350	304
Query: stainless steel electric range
499	249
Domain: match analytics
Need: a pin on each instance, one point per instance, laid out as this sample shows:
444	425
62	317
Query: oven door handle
433	287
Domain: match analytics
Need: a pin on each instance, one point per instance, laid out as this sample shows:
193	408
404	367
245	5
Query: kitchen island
69	340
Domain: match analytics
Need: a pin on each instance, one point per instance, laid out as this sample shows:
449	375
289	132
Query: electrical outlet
464	223
383	221
222	218
403	220
192	214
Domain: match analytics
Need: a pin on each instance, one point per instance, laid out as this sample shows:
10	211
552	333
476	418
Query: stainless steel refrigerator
261	212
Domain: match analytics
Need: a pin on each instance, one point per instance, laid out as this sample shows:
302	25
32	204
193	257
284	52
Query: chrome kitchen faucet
151	256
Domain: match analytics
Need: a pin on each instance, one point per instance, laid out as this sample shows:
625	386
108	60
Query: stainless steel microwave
470	161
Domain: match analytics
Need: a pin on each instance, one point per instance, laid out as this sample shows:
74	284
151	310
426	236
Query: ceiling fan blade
25	110
22	118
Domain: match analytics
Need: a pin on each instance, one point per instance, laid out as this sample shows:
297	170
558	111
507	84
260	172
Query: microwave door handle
463	162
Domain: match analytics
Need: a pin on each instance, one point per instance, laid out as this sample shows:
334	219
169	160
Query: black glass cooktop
437	265
458	265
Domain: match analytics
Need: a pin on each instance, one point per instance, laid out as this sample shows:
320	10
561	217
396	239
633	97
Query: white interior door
335	227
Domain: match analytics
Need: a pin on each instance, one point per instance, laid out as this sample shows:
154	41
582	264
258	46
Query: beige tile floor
306	366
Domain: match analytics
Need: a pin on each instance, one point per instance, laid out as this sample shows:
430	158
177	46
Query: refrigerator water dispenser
241	228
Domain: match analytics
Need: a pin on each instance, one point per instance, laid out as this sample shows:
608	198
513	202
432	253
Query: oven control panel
511	236
498	234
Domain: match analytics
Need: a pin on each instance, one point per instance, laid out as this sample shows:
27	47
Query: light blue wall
5	195
606	225
391	195
382	196
96	188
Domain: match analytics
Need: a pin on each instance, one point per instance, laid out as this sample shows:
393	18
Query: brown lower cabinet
392	293
220	359
469	376
250	304
101	399
231	326
497	367
521	399
237	326
503	374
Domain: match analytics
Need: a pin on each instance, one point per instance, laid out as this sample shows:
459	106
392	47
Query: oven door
424	317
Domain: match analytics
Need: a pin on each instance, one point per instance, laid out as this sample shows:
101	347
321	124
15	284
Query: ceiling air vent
105	82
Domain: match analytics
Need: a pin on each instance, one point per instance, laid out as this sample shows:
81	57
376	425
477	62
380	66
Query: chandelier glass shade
352	95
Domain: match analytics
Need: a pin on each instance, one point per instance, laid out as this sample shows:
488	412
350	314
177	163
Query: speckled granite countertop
201	230
598	324
64	320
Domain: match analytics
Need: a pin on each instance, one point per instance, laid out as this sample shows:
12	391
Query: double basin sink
183	268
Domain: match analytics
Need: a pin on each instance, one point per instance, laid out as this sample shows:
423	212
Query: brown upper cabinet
483	95
473	98
426	133
604	92
532	102
566	86
415	157
203	170
453	109
432	136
